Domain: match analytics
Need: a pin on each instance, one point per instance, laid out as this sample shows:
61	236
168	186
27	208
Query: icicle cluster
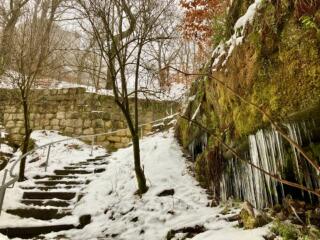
269	152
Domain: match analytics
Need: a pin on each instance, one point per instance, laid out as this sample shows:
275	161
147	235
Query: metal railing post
3	189
48	155
92	144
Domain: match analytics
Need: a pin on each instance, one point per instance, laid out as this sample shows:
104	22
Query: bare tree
31	57
163	52
89	61
171	49
122	28
10	11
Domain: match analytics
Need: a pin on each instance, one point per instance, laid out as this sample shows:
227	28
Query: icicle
293	135
266	151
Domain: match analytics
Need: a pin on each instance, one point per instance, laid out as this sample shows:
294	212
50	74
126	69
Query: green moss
315	148
250	222
286	230
200	169
246	120
183	132
213	120
277	68
247	219
219	29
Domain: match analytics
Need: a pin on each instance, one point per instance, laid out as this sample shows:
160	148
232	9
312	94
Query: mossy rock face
200	170
250	222
277	67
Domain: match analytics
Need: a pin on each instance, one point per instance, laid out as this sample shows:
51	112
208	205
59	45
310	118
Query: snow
173	93
4	148
196	112
226	49
247	17
111	201
61	154
192	98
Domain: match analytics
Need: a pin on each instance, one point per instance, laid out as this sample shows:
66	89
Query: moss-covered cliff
276	67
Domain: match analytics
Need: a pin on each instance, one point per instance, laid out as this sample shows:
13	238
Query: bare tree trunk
141	179
26	140
109	84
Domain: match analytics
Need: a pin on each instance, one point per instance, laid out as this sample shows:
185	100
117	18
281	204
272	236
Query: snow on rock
117	213
224	50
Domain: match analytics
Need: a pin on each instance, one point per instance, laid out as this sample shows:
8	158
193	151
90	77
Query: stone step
54	183
49	195
33	232
40	213
93	164
53	203
95	160
56	177
50	188
75	172
103	156
79	167
36	231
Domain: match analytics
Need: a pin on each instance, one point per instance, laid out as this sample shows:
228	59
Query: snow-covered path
119	214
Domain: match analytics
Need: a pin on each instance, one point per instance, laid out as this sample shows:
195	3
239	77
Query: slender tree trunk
26	140
109	84
141	179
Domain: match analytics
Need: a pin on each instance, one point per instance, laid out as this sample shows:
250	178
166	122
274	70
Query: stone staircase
53	197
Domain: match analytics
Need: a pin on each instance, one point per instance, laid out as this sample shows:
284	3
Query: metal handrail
15	177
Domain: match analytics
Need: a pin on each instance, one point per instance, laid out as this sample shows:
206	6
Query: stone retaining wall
75	112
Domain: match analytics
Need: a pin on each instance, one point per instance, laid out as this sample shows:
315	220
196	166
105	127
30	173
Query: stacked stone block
75	112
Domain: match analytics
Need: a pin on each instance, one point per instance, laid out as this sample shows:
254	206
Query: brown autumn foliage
198	16
306	7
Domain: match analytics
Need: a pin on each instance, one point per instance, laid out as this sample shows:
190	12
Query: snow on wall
75	112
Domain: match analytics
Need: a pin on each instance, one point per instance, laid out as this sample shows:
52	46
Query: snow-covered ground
117	213
61	154
4	147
